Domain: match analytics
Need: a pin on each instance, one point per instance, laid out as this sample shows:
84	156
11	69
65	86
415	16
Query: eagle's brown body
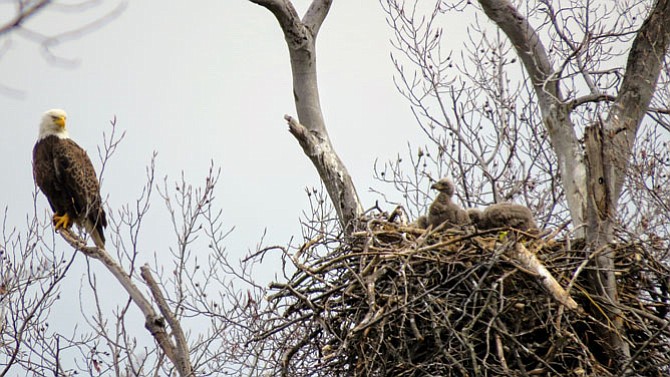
65	174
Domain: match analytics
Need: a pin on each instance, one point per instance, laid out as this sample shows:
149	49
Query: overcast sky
201	84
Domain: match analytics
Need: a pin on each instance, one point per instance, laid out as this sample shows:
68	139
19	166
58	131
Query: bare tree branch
527	44
301	37
25	10
22	15
283	10
554	111
531	263
601	97
571	105
23	329
316	14
645	59
181	351
153	322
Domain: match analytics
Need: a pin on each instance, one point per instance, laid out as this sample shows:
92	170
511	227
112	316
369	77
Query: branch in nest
529	262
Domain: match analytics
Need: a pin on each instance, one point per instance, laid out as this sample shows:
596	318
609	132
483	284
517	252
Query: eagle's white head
53	124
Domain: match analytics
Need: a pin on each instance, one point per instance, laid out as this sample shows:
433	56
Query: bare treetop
310	129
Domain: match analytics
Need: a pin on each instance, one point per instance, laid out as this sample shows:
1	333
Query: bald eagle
65	174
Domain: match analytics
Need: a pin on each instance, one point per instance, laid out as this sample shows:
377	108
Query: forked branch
300	38
178	355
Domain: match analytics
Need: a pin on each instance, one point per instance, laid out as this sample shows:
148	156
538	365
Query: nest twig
400	301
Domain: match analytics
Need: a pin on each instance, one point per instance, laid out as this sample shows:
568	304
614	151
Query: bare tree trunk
311	131
609	148
600	217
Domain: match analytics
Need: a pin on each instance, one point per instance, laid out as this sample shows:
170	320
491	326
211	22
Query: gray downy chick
502	215
443	209
421	222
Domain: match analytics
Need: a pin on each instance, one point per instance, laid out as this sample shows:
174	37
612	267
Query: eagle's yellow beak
60	122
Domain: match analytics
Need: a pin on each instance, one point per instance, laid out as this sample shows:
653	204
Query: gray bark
311	131
643	67
600	217
609	147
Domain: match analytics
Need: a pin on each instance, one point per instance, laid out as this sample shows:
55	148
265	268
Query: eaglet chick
443	209
501	215
421	222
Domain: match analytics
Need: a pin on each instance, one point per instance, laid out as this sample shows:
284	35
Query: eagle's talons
62	222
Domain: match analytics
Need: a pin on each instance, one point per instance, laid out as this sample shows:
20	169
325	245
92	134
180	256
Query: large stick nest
394	300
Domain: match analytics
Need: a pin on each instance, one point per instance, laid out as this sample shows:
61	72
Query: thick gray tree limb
645	59
310	130
609	147
555	112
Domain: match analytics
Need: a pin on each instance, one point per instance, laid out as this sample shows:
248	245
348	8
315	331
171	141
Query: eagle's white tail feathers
98	240
95	235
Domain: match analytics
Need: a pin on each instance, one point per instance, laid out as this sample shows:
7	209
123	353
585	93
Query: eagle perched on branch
65	174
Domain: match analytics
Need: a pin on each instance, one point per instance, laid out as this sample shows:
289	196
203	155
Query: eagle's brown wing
76	175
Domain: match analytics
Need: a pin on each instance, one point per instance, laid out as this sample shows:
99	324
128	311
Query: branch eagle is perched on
65	174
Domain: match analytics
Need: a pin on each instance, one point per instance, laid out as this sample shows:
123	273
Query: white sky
201	83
